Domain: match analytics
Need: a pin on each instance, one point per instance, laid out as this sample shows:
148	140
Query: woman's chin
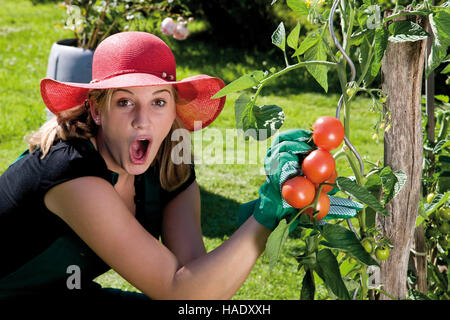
139	166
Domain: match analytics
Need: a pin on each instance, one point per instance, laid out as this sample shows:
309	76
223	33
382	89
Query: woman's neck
110	164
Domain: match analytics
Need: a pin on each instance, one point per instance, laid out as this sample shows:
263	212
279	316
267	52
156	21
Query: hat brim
194	101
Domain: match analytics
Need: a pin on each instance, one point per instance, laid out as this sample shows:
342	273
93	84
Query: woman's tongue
138	150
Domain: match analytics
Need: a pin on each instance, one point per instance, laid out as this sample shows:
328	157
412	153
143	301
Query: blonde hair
77	122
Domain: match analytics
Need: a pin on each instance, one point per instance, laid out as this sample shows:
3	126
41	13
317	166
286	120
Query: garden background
27	32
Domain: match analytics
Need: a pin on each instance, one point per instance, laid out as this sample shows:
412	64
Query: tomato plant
328	133
318	166
444	213
328	184
430	197
365	34
322	207
299	192
367	244
435	205
382	253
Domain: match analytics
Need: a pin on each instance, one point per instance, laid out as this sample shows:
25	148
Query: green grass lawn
26	35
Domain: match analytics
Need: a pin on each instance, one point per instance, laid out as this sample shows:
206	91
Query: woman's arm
93	209
181	226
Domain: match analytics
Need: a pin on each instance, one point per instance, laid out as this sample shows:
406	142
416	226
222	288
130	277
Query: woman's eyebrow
162	90
154	93
125	90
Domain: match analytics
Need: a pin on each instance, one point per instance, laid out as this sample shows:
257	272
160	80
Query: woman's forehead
146	90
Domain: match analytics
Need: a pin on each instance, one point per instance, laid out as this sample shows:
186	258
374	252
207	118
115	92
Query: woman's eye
124	103
159	103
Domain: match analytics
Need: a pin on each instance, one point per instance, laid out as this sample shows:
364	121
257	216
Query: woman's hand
282	162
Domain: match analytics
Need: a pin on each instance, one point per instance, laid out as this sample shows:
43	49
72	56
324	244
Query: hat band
163	75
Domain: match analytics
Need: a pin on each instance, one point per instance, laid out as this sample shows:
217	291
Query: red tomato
298	192
328	133
323	206
326	188
318	166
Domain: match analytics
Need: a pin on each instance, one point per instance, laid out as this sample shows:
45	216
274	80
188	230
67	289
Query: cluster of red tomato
318	168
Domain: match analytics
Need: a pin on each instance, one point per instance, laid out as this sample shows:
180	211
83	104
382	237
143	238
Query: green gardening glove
281	163
341	208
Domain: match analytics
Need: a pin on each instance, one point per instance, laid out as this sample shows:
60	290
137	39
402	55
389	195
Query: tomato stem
289	68
299	213
364	278
312	205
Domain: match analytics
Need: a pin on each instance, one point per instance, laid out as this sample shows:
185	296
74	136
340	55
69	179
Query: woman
98	187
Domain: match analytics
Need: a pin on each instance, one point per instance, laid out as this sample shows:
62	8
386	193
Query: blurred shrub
238	23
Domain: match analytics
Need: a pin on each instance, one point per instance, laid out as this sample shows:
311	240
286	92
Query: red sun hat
137	59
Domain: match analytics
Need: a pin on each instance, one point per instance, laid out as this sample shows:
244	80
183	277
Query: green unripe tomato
382	252
444	227
367	244
444	213
430	197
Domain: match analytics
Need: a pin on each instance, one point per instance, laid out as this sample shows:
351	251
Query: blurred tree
238	23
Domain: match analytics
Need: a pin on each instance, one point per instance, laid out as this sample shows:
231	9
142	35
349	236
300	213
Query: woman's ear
94	112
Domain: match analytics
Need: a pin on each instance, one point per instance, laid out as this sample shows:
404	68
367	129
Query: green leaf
320	73
298	6
292	39
405	30
276	241
242	105
446	69
365	59
309	260
381	42
358	37
436	203
279	37
373	184
441	145
429	208
422	215
442	98
401	180
360	193
388	180
307	43
328	269
269	118
258	122
370	217
440	25
392	183
308	286
244	82
338	237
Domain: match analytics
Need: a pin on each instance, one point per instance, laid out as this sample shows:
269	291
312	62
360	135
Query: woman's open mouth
139	150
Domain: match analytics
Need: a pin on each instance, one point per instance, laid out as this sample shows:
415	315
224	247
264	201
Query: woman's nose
141	119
